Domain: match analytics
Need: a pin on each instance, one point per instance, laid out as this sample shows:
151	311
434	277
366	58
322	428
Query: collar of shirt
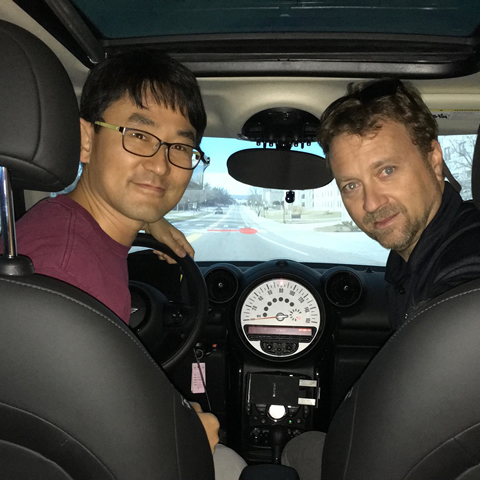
397	268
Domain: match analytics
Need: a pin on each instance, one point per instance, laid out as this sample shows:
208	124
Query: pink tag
197	384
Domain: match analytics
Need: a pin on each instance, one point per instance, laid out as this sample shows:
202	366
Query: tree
458	155
222	196
255	199
209	196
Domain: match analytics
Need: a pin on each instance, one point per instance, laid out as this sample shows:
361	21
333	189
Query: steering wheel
156	320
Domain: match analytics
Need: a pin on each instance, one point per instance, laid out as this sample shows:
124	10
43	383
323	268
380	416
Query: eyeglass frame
123	130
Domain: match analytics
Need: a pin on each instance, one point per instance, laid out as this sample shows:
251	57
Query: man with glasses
142	120
380	141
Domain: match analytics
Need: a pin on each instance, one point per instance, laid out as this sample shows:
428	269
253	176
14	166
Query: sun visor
279	169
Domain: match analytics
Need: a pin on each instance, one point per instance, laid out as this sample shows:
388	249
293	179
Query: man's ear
436	160
86	132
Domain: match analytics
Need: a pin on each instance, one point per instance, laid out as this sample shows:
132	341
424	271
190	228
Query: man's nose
373	198
159	163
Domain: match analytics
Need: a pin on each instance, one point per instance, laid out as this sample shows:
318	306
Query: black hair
138	73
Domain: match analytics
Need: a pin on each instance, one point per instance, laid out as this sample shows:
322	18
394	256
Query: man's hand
165	232
210	424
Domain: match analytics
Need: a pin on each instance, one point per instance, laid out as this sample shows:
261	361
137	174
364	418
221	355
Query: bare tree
255	199
208	196
458	155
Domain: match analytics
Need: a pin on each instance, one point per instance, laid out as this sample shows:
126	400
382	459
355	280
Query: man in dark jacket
381	143
446	255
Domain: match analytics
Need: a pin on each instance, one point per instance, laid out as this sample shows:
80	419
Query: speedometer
280	317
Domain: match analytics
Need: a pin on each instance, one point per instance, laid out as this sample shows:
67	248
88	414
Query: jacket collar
430	240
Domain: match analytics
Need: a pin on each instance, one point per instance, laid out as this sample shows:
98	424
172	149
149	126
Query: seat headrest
476	172
39	119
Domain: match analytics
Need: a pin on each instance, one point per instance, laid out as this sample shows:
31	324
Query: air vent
222	285
343	288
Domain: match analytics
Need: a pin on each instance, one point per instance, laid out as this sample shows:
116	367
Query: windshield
230	221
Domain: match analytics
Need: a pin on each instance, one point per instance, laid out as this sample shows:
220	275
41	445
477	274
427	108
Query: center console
272	399
280	364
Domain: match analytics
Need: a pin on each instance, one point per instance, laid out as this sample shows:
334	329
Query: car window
209	16
231	221
458	155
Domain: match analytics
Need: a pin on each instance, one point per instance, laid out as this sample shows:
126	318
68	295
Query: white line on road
276	243
282	245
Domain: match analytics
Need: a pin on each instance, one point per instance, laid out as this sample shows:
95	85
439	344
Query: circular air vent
222	285
343	288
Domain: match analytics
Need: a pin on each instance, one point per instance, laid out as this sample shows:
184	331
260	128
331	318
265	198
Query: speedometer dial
280	317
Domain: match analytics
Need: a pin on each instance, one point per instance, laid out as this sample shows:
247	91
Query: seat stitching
351	433
59	428
177	451
475	461
44	289
429	308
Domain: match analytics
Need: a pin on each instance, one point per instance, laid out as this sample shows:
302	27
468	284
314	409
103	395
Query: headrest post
7	220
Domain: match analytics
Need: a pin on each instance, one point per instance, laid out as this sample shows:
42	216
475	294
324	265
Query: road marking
284	246
246	231
195	236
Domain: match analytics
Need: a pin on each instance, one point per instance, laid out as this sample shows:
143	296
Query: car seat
80	397
415	412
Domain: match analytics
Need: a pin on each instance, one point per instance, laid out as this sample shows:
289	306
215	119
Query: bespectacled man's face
390	191
129	187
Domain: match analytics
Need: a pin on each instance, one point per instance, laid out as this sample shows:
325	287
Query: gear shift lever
278	438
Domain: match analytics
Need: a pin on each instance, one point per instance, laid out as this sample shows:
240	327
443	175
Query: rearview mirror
279	169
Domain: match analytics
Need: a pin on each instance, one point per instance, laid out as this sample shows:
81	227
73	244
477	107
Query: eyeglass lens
146	145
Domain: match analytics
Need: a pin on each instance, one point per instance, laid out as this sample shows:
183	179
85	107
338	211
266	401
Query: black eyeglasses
145	144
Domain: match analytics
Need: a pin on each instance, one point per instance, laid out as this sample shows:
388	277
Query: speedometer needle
279	316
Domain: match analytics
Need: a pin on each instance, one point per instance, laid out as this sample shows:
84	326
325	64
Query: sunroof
114	19
359	38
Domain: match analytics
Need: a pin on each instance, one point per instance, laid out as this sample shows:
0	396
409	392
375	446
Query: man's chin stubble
398	244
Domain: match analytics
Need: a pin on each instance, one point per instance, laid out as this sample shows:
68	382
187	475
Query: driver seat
80	397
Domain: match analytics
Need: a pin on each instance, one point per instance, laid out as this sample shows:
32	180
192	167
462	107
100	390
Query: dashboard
283	343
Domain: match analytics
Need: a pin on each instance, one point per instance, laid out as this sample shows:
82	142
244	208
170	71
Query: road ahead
238	234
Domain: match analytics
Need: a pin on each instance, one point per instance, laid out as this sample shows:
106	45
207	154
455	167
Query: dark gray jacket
447	255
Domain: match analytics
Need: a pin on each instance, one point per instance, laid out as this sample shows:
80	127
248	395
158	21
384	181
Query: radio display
284	331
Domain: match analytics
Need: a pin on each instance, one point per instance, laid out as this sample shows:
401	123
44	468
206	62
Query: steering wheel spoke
160	324
178	316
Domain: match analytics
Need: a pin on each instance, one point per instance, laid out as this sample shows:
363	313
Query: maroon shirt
64	241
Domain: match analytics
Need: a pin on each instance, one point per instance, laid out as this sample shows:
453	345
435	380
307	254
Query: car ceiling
264	54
